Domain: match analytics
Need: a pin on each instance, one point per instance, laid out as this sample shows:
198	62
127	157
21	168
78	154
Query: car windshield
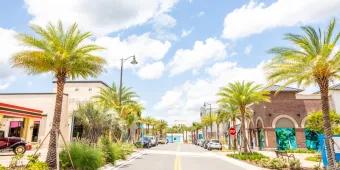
215	141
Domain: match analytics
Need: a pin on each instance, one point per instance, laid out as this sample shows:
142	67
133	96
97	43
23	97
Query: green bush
277	163
127	148
300	150
84	157
314	158
251	156
35	164
108	150
2	167
294	164
138	145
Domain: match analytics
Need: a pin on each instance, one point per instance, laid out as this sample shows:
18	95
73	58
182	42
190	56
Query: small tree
314	122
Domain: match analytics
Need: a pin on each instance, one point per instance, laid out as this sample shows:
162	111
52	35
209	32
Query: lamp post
122	60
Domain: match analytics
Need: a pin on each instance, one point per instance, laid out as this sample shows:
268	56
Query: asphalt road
182	157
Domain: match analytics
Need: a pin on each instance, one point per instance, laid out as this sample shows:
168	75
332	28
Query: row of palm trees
158	126
313	59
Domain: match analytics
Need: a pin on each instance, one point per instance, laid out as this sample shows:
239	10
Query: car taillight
28	146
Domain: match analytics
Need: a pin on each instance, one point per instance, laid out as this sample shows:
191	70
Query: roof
86	81
19	111
30	94
275	88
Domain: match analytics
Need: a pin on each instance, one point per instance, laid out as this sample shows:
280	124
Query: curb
120	163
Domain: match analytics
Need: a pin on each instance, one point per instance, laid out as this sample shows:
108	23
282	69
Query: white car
214	144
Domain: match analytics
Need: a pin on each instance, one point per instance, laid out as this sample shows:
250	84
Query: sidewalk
119	163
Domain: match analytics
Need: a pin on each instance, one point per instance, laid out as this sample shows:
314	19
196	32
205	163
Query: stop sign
232	131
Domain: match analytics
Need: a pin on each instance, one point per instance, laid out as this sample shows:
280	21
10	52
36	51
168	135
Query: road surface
182	157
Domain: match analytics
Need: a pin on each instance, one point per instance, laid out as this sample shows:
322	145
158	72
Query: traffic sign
232	131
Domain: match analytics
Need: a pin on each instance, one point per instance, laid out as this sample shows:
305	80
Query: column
28	129
300	137
270	137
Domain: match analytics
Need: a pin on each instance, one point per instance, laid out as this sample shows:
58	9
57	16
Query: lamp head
134	61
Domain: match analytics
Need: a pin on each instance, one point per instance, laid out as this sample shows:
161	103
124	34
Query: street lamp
122	60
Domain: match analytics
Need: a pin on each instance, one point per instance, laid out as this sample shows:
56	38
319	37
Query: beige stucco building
75	92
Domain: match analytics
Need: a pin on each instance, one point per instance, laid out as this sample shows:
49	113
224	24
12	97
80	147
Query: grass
300	150
314	158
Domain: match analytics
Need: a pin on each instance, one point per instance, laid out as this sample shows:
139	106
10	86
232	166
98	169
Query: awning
18	111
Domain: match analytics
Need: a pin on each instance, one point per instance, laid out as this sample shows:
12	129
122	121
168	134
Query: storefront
19	122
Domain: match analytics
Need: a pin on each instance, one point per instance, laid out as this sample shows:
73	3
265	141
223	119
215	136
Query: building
75	93
279	124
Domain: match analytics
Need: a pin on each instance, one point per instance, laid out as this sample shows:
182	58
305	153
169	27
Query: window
76	89
90	89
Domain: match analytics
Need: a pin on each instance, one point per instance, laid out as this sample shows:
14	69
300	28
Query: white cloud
162	25
201	13
151	71
248	49
185	100
254	18
185	33
9	46
203	52
143	46
100	16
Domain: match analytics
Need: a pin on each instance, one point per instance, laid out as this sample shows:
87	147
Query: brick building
279	124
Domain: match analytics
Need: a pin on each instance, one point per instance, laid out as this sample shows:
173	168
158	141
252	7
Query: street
182	157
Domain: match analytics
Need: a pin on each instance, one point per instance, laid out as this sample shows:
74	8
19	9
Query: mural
312	141
261	138
285	138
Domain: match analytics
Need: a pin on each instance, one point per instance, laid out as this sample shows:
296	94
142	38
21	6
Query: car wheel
19	149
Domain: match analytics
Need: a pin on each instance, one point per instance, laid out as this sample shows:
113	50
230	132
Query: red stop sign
232	131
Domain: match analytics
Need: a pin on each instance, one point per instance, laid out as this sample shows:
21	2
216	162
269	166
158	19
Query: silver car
214	144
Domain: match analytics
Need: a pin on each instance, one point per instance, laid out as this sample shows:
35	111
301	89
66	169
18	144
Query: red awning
19	111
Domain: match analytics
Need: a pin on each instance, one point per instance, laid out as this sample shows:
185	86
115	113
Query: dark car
146	142
15	144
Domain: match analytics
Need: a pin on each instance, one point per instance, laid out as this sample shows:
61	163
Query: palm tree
210	119
242	94
148	121
109	97
63	53
313	60
131	113
220	118
161	125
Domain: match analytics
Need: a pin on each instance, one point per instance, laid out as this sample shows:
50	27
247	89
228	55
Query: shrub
139	145
277	163
108	150
84	156
2	167
314	158
127	148
300	150
251	156
294	164
35	164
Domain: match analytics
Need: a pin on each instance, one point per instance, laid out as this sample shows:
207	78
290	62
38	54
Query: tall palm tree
131	113
242	94
231	113
313	60
148	121
63	53
220	118
109	97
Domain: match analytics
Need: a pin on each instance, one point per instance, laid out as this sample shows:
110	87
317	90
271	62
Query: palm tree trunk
243	130
229	142
211	125
206	132
235	136
148	128
218	131
51	158
326	122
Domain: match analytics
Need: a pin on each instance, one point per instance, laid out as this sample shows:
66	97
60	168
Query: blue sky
187	48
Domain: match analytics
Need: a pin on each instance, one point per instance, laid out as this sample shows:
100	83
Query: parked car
214	144
15	144
200	142
205	144
146	142
154	140
162	141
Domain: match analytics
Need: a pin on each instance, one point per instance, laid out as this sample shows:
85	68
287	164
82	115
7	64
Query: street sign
232	131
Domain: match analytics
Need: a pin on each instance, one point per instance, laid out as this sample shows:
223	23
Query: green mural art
285	138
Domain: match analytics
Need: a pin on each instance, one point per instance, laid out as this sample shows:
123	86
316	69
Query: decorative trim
259	118
303	122
284	116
